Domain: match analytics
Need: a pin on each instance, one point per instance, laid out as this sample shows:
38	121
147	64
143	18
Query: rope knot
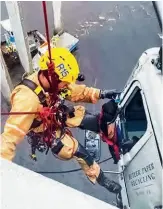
50	66
45	112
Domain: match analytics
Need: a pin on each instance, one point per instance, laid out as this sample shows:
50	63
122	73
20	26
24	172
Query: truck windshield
135	123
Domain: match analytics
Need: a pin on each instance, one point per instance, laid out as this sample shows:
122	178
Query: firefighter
27	97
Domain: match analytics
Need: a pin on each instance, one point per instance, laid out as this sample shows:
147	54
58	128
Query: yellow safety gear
65	63
65	93
17	126
34	157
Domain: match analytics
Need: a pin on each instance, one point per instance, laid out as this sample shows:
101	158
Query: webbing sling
38	91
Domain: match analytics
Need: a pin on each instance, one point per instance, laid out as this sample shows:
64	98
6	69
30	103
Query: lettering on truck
142	175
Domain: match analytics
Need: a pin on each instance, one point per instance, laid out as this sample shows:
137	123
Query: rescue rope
46	28
19	113
69	171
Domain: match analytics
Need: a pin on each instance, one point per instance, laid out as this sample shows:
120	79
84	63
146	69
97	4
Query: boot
111	186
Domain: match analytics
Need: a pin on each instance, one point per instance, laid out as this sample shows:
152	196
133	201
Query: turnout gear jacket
23	99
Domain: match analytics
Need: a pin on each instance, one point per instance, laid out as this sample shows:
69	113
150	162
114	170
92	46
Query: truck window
135	120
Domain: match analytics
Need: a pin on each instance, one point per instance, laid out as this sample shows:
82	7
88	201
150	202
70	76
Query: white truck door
142	176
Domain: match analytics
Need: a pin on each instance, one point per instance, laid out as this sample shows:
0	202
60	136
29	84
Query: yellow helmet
65	63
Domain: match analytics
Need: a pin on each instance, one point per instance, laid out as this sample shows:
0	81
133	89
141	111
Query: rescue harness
52	118
53	115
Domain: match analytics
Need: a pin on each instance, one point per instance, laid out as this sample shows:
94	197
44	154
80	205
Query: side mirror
158	61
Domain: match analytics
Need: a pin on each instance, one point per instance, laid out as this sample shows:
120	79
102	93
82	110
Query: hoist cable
69	171
46	28
19	113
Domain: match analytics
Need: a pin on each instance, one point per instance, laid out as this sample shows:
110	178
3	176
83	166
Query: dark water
112	37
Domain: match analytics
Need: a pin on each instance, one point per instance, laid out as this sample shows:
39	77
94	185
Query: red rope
46	28
51	66
19	113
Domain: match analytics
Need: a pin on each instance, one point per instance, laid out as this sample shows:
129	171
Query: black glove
70	110
109	111
81	77
109	94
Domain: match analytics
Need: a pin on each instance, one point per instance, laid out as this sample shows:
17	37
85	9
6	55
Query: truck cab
140	123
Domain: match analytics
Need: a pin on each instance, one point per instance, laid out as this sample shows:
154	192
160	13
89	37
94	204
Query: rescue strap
20	113
42	98
111	142
36	89
113	145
